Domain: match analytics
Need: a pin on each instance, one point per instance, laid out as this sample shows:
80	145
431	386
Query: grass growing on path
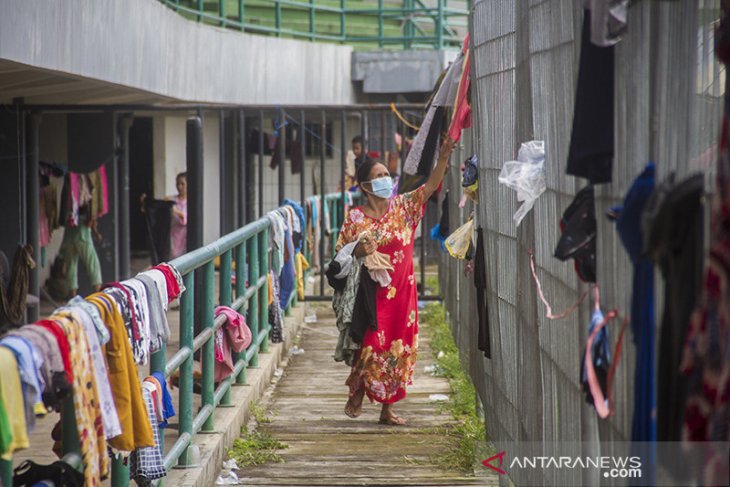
256	447
469	429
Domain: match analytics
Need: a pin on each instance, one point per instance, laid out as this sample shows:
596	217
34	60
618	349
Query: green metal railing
407	23
248	248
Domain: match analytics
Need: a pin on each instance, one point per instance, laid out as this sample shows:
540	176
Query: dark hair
362	172
181	175
357	140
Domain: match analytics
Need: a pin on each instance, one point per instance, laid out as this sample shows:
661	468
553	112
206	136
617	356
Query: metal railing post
277	17
32	200
222	12
200	6
343	27
208	355
253	302
226	297
282	155
261	165
240	291
440	25
311	20
263	294
381	25
241	14
185	405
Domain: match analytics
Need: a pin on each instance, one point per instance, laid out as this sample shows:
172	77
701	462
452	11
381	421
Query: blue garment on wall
628	224
287	277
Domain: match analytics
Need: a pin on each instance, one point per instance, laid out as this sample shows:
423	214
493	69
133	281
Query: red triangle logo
488	463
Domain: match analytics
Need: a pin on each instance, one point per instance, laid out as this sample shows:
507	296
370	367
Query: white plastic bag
526	175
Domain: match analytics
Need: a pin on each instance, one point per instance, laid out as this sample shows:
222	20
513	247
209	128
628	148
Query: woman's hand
366	246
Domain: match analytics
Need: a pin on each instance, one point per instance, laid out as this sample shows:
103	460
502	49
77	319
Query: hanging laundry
29	362
104	397
275	312
578	235
158	218
86	408
423	154
287	276
591	141
461	117
480	283
236	338
628	224
526	176
597	367
168	409
302	264
147	464
674	238
608	20
123	379
13	298
11	396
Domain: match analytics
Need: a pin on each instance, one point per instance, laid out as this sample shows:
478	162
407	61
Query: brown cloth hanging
13	299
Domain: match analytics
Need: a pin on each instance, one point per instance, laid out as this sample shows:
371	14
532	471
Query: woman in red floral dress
385	362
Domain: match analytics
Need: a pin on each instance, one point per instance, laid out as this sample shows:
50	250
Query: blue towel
168	410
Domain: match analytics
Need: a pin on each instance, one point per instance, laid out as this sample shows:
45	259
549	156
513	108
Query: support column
282	156
33	197
242	193
261	164
194	167
322	194
224	175
123	187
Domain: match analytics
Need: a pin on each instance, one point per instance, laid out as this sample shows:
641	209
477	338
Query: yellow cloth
12	397
271	290
86	406
124	381
301	266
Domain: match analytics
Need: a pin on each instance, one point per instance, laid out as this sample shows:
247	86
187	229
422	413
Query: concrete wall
144	45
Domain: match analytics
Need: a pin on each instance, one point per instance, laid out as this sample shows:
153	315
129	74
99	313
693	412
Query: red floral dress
386	360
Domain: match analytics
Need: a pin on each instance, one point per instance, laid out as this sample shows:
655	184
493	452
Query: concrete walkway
325	447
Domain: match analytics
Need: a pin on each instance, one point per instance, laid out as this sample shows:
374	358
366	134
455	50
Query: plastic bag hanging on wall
458	243
526	175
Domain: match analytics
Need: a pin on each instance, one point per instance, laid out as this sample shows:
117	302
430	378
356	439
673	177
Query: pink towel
104	191
233	336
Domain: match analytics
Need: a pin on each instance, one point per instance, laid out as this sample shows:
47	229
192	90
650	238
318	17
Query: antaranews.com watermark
671	464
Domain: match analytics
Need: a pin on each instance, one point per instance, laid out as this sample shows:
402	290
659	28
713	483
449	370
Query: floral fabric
386	360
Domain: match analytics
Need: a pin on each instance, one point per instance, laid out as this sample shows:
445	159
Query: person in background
353	159
179	225
78	245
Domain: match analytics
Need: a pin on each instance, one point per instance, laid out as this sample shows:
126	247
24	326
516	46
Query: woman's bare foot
388	416
353	408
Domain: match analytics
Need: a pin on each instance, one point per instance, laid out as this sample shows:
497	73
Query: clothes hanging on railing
233	336
85	349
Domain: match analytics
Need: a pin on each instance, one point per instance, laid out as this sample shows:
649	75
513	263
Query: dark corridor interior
140	179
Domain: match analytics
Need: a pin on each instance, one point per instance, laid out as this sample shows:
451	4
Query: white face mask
381	187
